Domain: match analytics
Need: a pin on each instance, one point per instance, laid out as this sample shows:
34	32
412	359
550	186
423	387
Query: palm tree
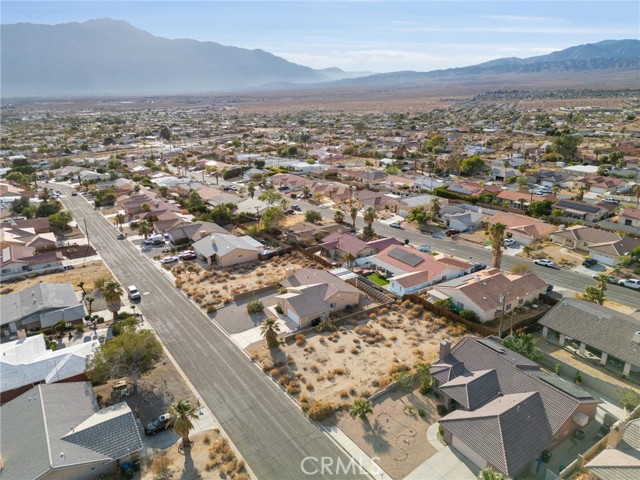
370	215
489	474
434	209
81	287
269	330
496	232
521	201
251	188
353	213
602	282
111	292
349	258
361	408
180	416
119	219
306	191
214	171
338	216
636	191
89	301
144	228
527	249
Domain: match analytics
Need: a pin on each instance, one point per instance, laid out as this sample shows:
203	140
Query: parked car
121	236
133	292
395	225
544	262
69	267
424	248
168	260
451	232
630	283
353	231
187	255
289	211
609	278
508	241
477	267
611	200
74	193
157	424
297	208
589	262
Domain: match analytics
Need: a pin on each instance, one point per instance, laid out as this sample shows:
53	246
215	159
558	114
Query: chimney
445	348
616	433
561	227
636	337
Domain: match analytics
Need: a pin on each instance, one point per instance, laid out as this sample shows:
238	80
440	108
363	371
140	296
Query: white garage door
467	452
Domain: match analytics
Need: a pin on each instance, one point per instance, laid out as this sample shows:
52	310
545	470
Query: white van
155	239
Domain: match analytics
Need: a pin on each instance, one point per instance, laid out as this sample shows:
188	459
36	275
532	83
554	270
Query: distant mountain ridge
110	57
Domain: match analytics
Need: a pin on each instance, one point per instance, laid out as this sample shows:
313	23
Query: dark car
549	287
297	208
157	424
451	232
74	193
589	262
477	267
289	211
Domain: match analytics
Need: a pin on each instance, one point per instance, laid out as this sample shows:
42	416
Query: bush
255	306
630	400
100	320
87	317
441	430
279	309
421	412
442	410
425	388
469	315
320	410
79	328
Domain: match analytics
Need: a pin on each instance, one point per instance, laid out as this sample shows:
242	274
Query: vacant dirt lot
395	432
87	273
359	358
216	288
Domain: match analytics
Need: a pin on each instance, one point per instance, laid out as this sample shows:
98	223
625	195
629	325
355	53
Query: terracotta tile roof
633	213
344	242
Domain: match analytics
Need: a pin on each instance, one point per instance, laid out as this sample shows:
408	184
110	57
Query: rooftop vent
636	337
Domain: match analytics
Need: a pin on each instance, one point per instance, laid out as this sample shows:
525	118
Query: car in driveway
630	283
477	267
296	208
545	262
508	242
451	232
589	262
158	424
168	260
187	255
395	225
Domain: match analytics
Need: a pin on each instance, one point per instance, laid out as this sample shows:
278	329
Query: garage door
467	452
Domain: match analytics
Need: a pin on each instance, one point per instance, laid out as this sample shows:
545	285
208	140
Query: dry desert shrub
314	368
343	393
400	367
161	467
320	410
293	388
340	349
354	351
300	340
309	386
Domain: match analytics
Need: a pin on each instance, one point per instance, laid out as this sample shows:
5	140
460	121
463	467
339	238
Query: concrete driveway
234	318
447	464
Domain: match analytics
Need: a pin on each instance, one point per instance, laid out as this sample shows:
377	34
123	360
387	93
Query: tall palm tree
338	216
370	215
269	330
144	228
353	213
111	292
496	232
89	301
349	258
119	220
636	192
181	414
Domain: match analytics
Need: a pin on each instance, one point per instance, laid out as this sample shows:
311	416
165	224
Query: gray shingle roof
474	389
508	432
597	326
51	413
622	462
39	297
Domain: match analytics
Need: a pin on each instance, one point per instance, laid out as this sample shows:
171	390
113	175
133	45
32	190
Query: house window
333	305
508	307
520	300
460	305
627	223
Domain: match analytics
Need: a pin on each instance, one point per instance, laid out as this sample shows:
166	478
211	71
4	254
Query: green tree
180	419
251	188
471	165
566	146
312	216
18	206
270	218
131	354
540	208
370	215
353	213
60	221
269	330
338	216
349	258
119	220
111	291
489	474
89	299
527	249
595	294
630	400
45	209
144	228
361	408
434	208
496	232
270	196
523	343
419	215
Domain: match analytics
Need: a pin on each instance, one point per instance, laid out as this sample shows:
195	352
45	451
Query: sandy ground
196	462
394	433
357	360
215	288
87	273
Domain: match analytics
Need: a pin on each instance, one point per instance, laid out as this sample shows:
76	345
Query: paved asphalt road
269	430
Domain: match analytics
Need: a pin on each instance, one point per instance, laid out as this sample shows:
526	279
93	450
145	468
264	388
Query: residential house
222	198
192	232
337	245
620	460
629	217
406	204
306	233
377	200
313	295
491	293
166	221
604	185
473	189
369	176
294	183
460	218
225	250
405	268
39	225
609	253
585	211
509	411
133	205
502	174
581	237
27	362
607	333
26	237
58	431
39	306
554	178
10	193
523	229
252	206
17	261
522	199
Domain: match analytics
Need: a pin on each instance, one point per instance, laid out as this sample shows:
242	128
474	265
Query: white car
134	294
544	262
630	283
508	241
395	225
424	248
168	260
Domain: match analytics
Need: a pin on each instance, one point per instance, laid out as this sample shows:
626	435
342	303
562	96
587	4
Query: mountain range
110	57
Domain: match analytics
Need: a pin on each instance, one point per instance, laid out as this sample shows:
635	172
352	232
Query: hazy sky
361	35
